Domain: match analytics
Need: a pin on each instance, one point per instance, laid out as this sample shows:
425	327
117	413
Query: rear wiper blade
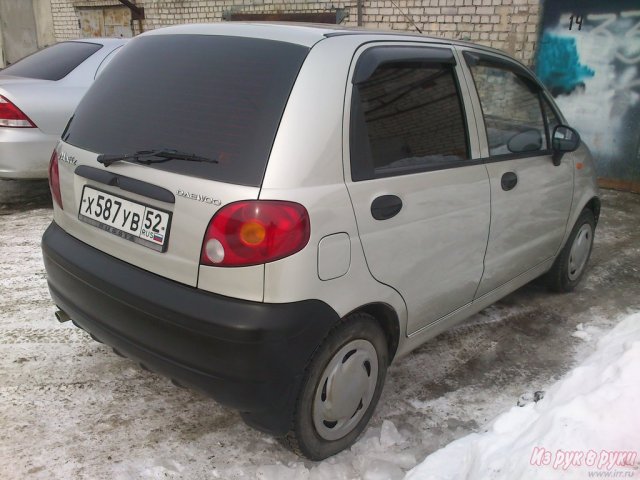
143	156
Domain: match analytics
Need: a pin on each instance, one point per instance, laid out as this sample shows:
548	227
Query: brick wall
510	25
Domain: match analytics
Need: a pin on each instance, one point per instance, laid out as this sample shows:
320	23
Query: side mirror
564	139
527	141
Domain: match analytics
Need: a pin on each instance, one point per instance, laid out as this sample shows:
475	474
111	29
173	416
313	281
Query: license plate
130	220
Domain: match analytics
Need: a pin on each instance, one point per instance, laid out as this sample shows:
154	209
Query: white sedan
38	95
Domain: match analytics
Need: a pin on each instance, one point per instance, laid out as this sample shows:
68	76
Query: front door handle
385	207
508	181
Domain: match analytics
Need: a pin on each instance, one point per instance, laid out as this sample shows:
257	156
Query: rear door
530	196
419	191
216	97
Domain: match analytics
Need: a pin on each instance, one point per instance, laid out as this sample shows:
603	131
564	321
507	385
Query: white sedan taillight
12	116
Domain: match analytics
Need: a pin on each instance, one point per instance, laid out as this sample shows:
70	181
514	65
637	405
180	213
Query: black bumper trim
247	355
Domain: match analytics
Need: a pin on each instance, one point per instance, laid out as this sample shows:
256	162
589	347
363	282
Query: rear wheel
569	267
342	386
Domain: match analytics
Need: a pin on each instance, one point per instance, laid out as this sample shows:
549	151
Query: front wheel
569	267
342	386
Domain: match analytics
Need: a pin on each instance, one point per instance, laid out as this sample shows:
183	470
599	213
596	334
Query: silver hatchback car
273	213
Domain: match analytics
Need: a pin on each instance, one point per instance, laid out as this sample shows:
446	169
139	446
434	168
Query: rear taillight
54	179
254	232
12	116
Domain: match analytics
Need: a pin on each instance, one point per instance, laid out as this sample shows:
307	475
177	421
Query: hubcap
580	251
345	389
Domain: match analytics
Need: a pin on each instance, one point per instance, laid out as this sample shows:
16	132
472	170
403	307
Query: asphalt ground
71	408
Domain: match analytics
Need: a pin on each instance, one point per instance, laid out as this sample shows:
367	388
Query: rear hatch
216	97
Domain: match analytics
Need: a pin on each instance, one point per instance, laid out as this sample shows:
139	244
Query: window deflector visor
370	60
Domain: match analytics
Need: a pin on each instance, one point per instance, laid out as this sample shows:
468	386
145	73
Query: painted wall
589	58
44	23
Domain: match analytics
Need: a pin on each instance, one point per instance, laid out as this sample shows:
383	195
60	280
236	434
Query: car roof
106	41
306	34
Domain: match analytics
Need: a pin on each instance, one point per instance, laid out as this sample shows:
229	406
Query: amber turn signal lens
252	233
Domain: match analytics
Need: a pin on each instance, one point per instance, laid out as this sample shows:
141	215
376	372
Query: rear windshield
53	63
214	96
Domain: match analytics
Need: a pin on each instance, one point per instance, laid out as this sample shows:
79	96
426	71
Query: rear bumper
25	152
247	355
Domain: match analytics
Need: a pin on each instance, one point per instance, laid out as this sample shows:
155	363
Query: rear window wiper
143	156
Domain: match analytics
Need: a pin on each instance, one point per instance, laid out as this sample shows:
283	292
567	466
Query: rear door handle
508	181
385	207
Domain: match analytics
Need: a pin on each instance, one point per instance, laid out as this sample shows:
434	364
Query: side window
511	109
550	115
407	117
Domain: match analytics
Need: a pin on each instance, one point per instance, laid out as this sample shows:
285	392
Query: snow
586	332
380	455
70	408
587	422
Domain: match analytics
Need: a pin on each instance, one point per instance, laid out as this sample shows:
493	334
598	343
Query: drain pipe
359	10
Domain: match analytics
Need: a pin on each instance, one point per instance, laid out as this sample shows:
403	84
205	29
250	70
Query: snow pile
587	425
586	333
371	458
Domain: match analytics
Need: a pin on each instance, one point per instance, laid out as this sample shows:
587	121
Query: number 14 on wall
578	21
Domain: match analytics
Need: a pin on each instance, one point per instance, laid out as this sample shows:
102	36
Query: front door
530	196
420	195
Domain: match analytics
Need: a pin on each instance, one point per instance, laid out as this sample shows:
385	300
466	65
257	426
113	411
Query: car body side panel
48	104
25	152
443	324
307	153
306	167
528	222
585	180
431	252
296	277
585	185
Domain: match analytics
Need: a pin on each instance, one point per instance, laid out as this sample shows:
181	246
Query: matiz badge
66	158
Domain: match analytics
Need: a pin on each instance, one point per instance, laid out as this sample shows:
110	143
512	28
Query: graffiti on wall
589	59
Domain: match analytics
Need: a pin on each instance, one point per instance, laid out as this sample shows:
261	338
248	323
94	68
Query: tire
570	265
343	369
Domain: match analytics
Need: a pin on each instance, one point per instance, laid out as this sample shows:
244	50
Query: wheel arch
388	320
594	205
588	201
